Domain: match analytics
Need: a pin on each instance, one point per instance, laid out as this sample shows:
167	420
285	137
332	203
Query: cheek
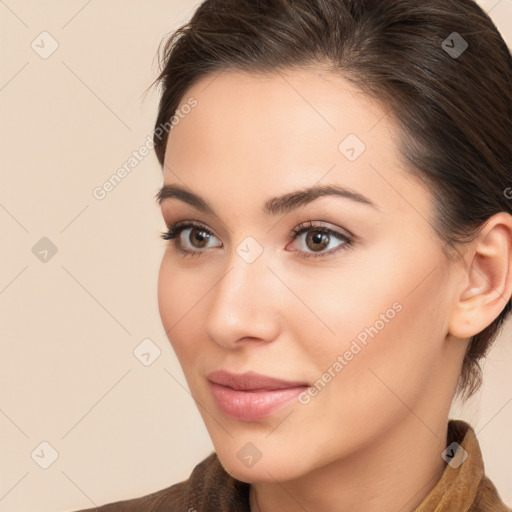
382	326
177	297
167	294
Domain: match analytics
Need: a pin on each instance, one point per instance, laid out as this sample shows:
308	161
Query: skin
372	439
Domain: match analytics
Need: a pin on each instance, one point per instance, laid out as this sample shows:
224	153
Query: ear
487	285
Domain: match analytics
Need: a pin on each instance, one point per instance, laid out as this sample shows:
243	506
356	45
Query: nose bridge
246	271
241	303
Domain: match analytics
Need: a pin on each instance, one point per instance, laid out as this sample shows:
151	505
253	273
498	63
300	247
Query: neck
394	473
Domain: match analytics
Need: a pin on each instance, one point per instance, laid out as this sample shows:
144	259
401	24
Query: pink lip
250	396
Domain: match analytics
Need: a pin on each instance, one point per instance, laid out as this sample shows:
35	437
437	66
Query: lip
251	396
250	381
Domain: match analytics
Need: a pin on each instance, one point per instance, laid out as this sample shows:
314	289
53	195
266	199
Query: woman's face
361	310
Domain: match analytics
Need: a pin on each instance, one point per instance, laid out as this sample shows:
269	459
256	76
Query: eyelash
175	231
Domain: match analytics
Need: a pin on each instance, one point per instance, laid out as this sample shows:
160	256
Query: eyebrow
275	206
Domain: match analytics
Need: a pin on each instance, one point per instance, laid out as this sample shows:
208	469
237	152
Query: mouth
250	396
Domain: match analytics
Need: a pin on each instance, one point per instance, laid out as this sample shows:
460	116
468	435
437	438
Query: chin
274	466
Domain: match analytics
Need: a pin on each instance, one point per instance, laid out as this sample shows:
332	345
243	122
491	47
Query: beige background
69	326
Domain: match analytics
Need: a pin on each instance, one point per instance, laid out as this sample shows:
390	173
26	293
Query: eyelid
177	228
322	225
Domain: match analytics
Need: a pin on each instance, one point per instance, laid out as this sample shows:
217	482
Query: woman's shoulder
209	487
488	498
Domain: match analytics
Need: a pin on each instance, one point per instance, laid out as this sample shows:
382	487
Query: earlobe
488	284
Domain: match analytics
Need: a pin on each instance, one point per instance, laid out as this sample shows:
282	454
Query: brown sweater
211	489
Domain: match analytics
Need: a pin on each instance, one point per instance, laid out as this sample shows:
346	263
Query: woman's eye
318	239
191	239
196	237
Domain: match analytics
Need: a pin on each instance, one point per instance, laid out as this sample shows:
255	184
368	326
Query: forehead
279	109
270	133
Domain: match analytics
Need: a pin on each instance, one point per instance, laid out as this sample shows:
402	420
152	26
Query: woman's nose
245	304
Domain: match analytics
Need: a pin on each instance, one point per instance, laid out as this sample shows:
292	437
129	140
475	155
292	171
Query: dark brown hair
454	111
